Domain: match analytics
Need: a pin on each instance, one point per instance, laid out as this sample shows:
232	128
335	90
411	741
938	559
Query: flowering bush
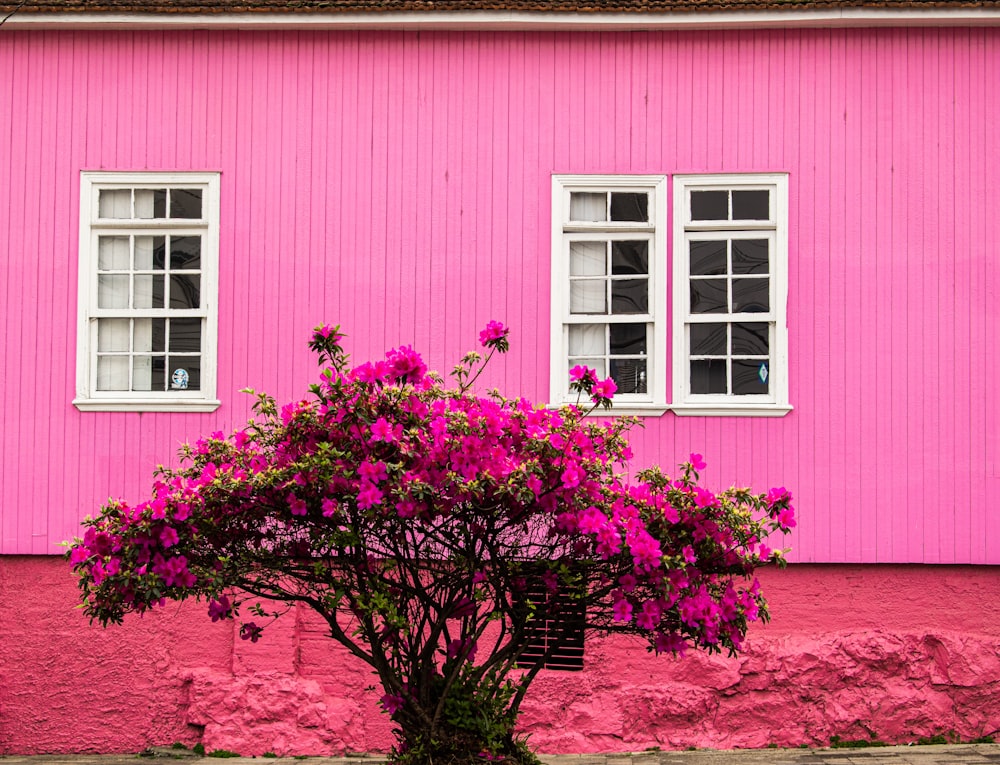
412	516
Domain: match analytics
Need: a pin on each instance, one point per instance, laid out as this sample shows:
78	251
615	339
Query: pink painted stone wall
897	651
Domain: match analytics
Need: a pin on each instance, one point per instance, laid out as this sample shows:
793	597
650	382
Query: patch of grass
836	742
178	745
270	755
983	740
199	749
223	753
939	738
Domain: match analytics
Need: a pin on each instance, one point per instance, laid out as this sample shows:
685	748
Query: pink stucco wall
895	651
399	183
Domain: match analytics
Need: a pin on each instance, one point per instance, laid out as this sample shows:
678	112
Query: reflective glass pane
185	203
627	339
112	373
158	375
112	253
588	296
150	203
750	377
629	375
587	340
709	205
588	258
185	291
630	258
114	203
149	336
598	365
185	335
708	339
751	205
708	258
150	253
112	335
709	296
751	296
750	339
586	206
708	376
112	291
750	256
185	252
630	296
142	373
630	206
148	291
185	372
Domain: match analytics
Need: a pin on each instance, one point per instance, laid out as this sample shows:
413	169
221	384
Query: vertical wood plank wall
399	183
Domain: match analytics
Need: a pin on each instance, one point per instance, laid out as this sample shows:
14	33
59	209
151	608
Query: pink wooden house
774	223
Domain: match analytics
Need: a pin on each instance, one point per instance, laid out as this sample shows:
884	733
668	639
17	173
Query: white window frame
775	229
564	231
88	398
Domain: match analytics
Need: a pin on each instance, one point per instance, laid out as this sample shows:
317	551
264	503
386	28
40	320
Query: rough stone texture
854	651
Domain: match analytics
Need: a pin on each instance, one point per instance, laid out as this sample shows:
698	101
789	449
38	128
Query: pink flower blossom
604	390
493	335
250	631
697	462
392	703
297	505
220	608
168	537
622	611
583	374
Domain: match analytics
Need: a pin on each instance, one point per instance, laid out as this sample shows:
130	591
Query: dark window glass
629	207
709	296
185	335
750	296
185	291
159	253
750	205
629	296
185	252
189	364
709	205
708	258
159	379
185	203
629	375
750	339
629	257
157	290
628	339
750	256
708	376
708	339
159	335
750	377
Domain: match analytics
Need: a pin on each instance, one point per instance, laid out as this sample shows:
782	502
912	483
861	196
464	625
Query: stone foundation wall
854	651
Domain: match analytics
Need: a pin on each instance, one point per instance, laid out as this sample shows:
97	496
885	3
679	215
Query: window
148	274
609	286
730	264
555	630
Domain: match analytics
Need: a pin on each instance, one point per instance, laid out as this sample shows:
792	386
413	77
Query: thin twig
18	7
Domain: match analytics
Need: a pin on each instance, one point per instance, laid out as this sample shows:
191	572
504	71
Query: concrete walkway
949	754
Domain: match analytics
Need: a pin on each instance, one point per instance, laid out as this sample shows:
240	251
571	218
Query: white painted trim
731	410
516	20
146	405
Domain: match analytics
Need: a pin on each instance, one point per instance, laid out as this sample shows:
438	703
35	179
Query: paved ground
952	754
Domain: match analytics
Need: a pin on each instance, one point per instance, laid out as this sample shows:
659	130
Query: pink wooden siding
399	184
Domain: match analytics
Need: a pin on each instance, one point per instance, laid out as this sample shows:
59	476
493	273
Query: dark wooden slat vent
558	624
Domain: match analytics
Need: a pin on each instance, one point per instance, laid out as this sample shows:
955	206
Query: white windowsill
730	410
145	405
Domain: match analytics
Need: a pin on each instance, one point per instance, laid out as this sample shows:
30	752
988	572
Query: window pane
150	203
185	252
112	373
150	253
112	335
630	257
750	339
185	291
750	256
629	207
750	377
588	296
709	296
588	258
630	296
186	203
588	206
185	335
142	373
751	296
148	291
158	380
708	339
628	339
708	376
112	253
596	364
629	375
185	372
709	205
587	340
149	336
751	205
112	291
708	258
114	204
